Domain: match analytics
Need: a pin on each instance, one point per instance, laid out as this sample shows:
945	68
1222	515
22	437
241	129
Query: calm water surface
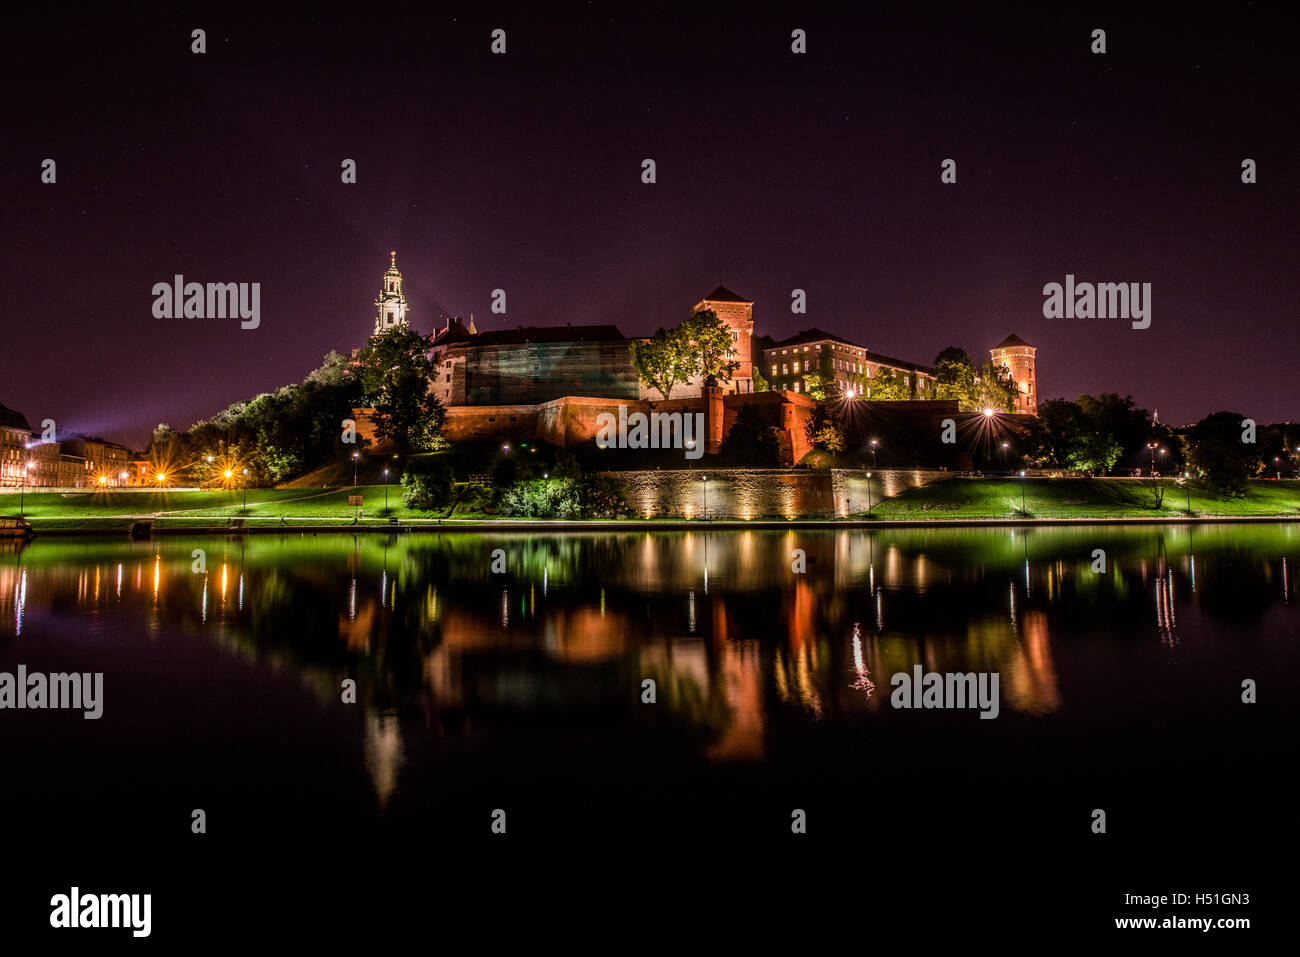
522	690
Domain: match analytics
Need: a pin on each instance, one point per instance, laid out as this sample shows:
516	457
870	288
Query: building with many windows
845	368
15	439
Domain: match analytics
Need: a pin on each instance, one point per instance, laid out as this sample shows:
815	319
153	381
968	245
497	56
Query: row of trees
301	426
1107	434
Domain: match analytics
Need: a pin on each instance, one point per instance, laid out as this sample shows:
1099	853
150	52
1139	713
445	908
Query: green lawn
1082	498
963	498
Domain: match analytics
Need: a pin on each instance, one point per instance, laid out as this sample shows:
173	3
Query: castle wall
763	493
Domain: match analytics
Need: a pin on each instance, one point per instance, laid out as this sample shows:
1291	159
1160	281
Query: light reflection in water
761	642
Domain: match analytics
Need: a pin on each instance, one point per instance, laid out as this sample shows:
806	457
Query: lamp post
1004	454
705	478
690	462
1187	487
22	490
1151	447
1023	509
385	490
245	484
874	443
868	494
228	475
354	469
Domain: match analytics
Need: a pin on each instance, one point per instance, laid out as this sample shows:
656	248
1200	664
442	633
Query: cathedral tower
391	305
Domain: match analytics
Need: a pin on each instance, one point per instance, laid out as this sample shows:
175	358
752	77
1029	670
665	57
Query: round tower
1017	356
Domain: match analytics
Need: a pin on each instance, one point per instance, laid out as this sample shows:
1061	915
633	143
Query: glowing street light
22	489
245	490
868	494
1023	509
385	490
874	443
354	469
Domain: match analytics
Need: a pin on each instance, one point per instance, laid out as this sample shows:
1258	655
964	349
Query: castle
551	382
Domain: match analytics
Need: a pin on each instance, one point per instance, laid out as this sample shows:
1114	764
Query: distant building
106	464
15	437
1017	356
849	367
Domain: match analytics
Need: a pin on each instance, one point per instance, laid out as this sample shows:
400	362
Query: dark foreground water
477	690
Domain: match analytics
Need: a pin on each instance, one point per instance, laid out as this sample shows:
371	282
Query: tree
760	380
955	377
830	438
427	487
1054	434
816	385
395	373
1094	452
711	342
1218	451
752	440
1122	420
995	390
664	360
887	386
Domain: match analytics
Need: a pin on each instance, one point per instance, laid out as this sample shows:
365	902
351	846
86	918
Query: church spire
390	307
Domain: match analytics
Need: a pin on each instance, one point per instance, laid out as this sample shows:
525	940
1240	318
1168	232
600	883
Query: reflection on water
733	637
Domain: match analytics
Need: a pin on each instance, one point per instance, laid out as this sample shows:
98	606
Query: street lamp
874	443
1187	487
706	496
1004	454
245	483
22	489
354	469
868	494
1023	509
385	490
690	446
1151	447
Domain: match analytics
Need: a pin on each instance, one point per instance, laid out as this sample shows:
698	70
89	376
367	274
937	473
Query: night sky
775	171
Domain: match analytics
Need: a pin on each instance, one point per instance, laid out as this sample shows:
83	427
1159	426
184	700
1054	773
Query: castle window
773	368
796	367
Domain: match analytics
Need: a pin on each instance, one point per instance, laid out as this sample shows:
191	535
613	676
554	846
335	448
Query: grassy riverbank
986	498
963	499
